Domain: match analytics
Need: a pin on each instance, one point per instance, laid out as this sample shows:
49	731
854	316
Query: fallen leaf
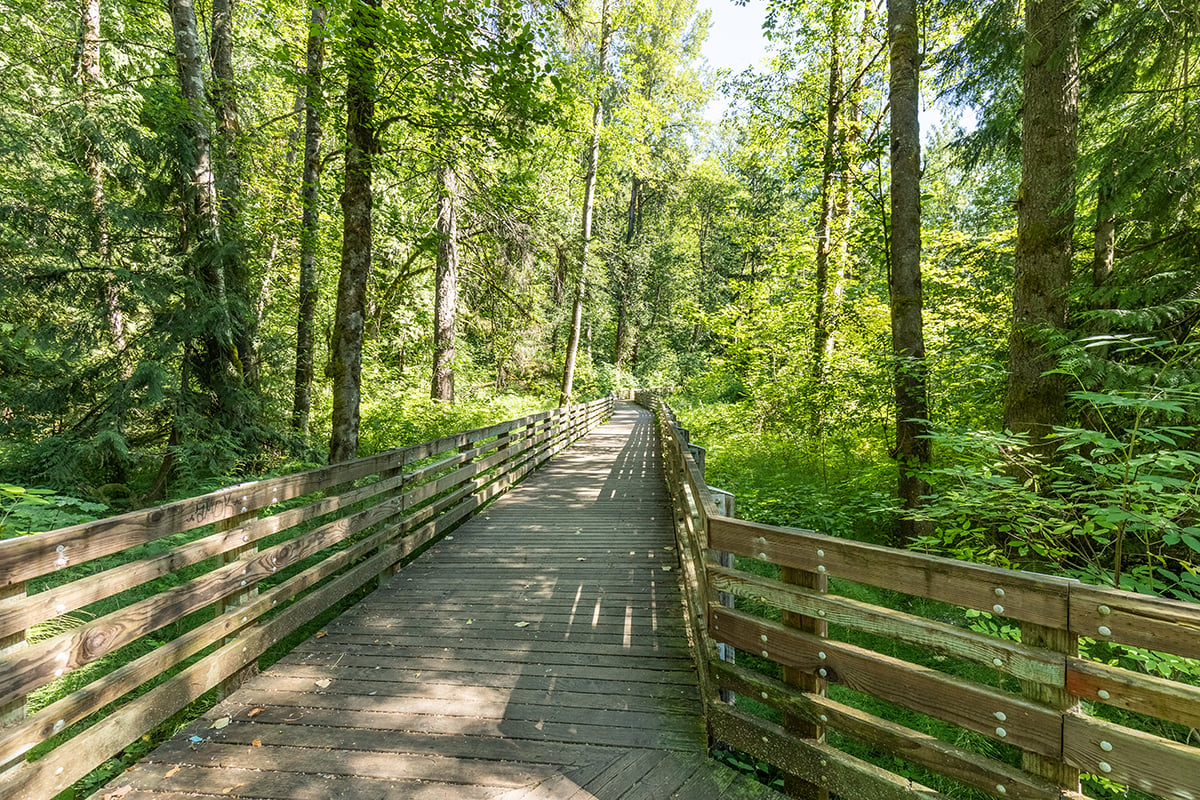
581	558
221	723
521	625
230	789
124	790
666	568
323	683
254	712
172	771
256	743
449	537
470	622
321	634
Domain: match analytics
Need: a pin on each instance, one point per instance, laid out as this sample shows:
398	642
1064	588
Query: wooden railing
146	612
1022	709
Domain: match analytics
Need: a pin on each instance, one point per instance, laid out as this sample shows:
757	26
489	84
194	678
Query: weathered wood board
537	652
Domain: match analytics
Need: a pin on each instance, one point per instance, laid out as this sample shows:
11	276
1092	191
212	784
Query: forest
933	280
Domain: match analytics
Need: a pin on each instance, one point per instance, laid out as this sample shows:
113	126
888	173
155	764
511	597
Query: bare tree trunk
356	202
446	288
908	338
589	196
829	162
89	74
310	188
1035	400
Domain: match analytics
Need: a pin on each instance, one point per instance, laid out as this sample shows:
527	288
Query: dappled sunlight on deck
537	652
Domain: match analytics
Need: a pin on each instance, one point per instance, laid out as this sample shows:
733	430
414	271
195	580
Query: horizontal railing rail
110	628
867	648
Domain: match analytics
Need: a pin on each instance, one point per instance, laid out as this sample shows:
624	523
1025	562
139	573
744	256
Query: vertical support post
530	428
13	711
1057	697
398	502
795	785
727	504
238	598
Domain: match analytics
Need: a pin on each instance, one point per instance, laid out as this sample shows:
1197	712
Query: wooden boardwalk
539	652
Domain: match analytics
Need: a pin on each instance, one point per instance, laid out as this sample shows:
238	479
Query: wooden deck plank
538	652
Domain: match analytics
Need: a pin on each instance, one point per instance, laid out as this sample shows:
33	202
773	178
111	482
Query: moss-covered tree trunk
830	158
904	284
224	100
310	188
90	77
356	200
214	362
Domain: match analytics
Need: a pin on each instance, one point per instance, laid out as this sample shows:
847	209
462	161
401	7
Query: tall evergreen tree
1035	399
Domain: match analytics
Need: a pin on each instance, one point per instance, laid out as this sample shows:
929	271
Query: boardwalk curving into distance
539	652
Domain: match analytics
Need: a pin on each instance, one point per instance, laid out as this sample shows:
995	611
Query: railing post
796	785
13	711
237	599
727	504
1057	697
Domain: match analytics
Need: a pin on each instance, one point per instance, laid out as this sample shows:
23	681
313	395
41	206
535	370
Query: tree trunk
356	203
621	345
850	141
446	288
89	74
1104	250
628	283
829	162
1035	400
216	362
223	98
589	196
904	284
310	188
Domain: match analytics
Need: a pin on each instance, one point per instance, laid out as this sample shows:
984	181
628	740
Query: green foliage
24	511
831	484
1116	506
762	771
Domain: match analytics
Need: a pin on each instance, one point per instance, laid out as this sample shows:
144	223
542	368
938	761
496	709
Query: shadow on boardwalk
538	652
